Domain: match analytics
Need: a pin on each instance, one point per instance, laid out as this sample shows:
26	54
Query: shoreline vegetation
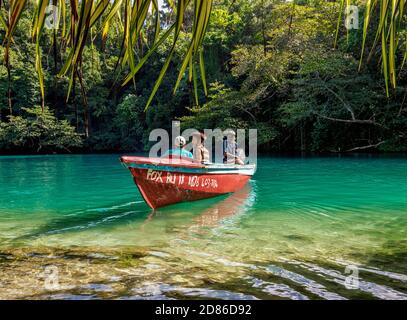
277	154
269	65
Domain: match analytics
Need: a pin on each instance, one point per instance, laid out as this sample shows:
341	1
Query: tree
79	21
38	130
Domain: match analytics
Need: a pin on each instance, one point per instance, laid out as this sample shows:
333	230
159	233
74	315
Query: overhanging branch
370	146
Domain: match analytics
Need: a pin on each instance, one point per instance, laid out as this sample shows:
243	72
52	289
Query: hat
199	134
180	141
229	132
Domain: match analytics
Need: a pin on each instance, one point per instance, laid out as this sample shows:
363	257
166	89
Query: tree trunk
55	47
74	102
302	137
263	31
84	101
10	105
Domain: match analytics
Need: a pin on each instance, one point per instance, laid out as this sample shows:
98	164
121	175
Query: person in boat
179	150
230	149
240	155
200	153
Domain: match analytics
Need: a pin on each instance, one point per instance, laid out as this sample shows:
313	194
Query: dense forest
270	65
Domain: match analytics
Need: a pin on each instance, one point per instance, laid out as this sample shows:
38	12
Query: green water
290	233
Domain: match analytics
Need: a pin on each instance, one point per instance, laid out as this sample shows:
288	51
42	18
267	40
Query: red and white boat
164	181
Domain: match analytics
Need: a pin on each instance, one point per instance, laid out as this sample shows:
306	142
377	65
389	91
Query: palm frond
388	35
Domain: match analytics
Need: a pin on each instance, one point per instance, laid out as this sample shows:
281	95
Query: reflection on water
76	228
235	204
211	217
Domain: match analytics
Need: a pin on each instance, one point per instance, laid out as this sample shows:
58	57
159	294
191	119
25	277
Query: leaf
338	24
201	20
178	23
113	11
80	32
98	11
150	52
39	19
369	8
79	17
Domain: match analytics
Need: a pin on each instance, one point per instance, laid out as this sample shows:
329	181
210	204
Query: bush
38	131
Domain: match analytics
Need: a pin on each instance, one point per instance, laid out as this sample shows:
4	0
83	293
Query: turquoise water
289	234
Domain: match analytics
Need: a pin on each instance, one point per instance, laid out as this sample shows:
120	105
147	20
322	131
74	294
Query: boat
169	180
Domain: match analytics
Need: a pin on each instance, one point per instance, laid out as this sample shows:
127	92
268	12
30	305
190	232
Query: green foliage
326	88
270	65
227	109
300	92
129	121
24	82
38	131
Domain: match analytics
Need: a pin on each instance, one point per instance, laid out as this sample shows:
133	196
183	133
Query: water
75	227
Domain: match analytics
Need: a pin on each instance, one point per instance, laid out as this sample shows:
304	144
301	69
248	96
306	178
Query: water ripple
277	289
377	290
310	285
160	289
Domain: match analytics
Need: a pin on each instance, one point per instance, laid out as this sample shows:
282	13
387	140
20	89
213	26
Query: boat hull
163	183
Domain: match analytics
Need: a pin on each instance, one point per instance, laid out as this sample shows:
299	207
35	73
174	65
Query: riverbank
260	153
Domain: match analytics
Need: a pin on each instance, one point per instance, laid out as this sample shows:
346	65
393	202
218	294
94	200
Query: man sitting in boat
230	149
240	155
200	153
179	150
